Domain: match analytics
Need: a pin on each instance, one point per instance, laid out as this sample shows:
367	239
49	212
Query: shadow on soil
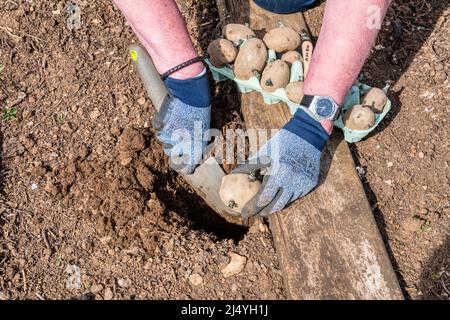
191	207
435	279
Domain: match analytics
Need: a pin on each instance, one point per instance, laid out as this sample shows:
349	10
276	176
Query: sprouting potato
237	32
282	39
294	91
376	99
275	76
359	117
251	59
291	56
237	189
221	52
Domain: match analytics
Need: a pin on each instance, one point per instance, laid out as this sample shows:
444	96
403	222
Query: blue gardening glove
291	161
182	121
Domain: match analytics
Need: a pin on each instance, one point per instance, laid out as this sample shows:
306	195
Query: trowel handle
150	77
307	49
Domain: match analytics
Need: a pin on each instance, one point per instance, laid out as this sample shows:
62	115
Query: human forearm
348	33
161	29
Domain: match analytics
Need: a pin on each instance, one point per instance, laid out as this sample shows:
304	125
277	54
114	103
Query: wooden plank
328	243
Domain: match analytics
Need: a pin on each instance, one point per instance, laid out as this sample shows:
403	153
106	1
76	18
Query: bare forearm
348	33
161	29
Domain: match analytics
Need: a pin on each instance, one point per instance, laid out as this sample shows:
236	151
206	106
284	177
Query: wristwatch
320	107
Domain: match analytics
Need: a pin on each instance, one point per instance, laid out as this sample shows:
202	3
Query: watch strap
307	100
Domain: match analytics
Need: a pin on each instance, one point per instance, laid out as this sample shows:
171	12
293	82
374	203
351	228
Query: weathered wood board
328	243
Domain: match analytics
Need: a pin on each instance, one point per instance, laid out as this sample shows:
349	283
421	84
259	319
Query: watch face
324	108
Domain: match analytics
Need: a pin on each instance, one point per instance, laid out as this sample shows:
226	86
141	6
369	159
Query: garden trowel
207	177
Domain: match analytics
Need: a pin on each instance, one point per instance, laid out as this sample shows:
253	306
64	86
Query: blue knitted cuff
193	91
308	129
285	6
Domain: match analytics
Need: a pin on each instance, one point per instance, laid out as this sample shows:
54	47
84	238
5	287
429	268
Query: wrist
323	109
327	125
308	129
193	91
323	88
187	72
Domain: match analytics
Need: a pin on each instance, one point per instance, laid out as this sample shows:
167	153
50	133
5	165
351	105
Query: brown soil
85	184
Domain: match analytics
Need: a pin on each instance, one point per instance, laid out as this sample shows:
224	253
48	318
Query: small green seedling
60	118
58	260
269	83
426	226
232	204
252	176
9	114
256	74
435	276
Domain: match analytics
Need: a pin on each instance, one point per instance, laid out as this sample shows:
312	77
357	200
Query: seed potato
237	32
376	99
294	91
275	76
359	117
251	59
237	189
282	39
291	56
221	52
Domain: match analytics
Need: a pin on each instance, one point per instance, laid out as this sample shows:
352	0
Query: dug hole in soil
91	210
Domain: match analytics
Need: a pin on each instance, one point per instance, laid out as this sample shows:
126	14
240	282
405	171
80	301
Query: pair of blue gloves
290	159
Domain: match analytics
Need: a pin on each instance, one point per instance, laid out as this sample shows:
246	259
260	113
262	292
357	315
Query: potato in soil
251	59
237	32
282	39
359	117
376	99
221	52
275	76
291	56
294	91
237	189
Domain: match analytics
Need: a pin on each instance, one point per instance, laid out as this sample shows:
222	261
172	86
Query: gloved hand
182	121
291	161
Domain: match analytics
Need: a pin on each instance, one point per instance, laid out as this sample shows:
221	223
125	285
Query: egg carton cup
353	98
296	74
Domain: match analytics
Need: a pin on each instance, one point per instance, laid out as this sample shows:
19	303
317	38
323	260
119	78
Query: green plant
1	67
60	118
435	276
9	114
426	226
59	260
232	204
